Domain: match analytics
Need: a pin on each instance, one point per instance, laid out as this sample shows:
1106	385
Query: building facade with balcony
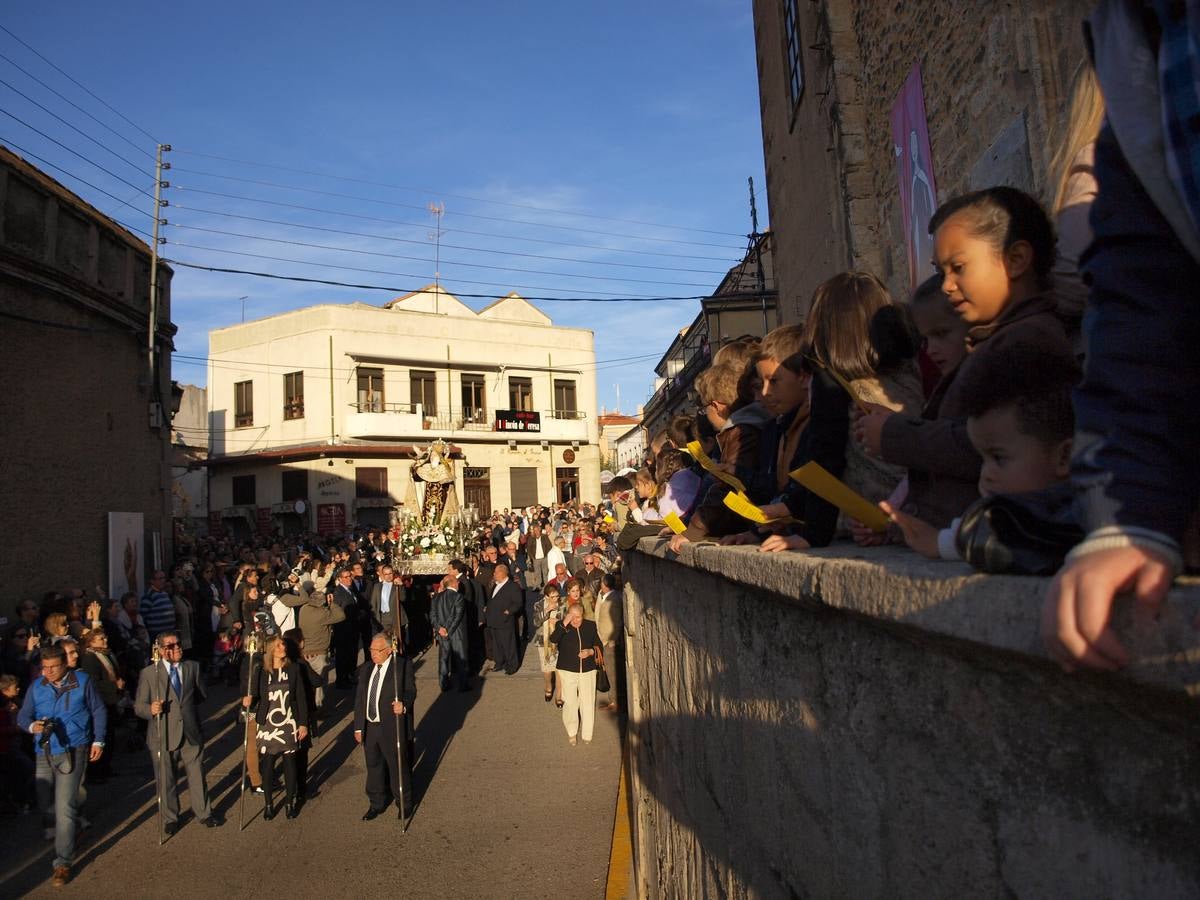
314	414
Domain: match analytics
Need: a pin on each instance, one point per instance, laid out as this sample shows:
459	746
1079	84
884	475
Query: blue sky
604	145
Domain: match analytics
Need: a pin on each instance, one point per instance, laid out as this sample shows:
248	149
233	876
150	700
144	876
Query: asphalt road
506	808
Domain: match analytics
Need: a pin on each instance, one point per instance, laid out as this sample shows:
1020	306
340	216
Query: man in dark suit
345	632
502	608
383	703
448	617
167	694
386	596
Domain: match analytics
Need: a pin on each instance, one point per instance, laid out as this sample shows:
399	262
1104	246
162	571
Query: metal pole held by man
251	649
160	722
401	761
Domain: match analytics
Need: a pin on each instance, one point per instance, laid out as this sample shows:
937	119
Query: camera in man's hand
48	728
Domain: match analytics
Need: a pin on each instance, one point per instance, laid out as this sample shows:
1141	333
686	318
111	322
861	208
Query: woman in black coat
578	644
280	698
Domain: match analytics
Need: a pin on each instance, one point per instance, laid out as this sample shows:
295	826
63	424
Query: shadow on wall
789	750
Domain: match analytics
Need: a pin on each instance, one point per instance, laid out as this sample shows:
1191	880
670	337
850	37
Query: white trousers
579	702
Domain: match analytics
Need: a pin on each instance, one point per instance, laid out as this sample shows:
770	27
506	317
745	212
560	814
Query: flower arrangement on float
417	539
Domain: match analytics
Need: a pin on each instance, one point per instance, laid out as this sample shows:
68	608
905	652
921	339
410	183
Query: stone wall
875	725
74	387
997	80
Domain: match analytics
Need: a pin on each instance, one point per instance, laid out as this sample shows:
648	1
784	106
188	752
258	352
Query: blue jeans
61	791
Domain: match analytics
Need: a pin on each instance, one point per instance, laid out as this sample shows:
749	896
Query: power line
380	253
80	131
365	218
385	237
269	368
46	162
79	85
415	190
68	100
92	162
407	290
290	187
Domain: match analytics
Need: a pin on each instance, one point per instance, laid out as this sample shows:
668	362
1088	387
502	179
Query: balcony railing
376	419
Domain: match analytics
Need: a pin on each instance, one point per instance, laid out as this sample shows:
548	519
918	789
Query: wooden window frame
293	395
243	404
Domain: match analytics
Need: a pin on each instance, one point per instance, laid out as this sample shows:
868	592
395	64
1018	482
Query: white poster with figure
126	553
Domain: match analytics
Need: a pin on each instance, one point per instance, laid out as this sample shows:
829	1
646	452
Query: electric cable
425	226
406	290
92	162
422	259
399	240
80	85
418	190
80	131
355	197
69	174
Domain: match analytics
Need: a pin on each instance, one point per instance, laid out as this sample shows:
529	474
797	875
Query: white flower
425	543
440	540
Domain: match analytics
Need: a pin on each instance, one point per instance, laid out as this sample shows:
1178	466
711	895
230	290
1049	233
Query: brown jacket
317	621
943	467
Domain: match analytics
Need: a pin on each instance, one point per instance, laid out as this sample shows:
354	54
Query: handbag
1020	534
603	685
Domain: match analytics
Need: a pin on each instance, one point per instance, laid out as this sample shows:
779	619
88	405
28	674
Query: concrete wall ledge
863	723
893	584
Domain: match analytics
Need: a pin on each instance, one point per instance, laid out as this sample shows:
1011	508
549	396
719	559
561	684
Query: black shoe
170	828
268	812
372	813
211	822
293	809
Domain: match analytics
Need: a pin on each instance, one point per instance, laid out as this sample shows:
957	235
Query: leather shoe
62	874
293	809
211	822
372	813
170	828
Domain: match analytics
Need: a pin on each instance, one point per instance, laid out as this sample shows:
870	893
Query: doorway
477	488
568	484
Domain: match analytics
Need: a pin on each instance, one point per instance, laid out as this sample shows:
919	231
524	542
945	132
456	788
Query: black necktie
373	695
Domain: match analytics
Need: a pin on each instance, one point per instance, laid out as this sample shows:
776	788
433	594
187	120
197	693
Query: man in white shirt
383	704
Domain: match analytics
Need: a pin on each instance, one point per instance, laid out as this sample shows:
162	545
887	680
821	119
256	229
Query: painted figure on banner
914	164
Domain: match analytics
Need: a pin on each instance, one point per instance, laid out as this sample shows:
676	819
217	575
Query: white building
325	405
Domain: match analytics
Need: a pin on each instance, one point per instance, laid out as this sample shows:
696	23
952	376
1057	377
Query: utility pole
760	281
243	300
159	204
438	210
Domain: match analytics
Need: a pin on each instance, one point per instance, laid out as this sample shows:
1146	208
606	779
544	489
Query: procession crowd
85	675
1025	410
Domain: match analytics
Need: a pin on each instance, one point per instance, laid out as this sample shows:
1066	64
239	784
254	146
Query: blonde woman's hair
268	652
55	624
1083	126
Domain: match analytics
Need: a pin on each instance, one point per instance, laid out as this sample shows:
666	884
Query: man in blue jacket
68	721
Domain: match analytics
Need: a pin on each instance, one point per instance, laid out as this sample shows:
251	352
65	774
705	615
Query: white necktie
373	695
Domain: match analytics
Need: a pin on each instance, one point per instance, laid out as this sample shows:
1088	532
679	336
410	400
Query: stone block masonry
865	723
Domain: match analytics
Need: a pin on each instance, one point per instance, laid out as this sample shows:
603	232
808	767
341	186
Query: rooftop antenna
438	210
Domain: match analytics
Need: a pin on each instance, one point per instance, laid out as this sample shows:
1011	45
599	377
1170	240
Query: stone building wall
885	726
74	387
997	79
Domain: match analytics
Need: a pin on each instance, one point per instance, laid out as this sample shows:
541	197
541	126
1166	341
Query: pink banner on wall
914	165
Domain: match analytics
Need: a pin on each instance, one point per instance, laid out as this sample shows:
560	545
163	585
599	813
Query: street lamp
243	299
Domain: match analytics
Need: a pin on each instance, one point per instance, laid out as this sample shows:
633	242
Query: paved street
506	808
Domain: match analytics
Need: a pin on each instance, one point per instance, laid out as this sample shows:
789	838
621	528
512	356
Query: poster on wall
126	553
331	518
914	164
